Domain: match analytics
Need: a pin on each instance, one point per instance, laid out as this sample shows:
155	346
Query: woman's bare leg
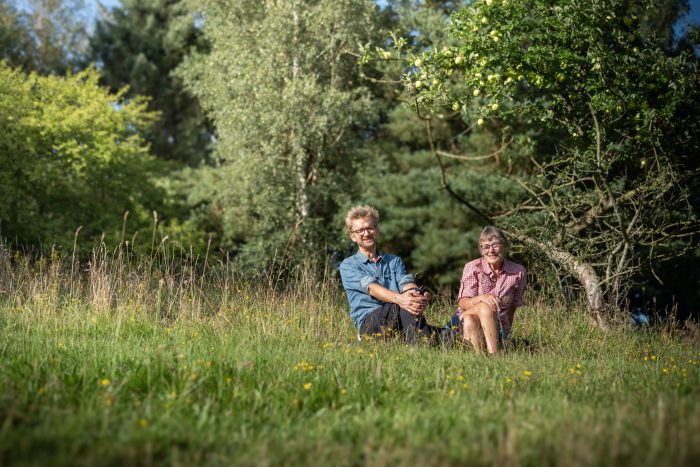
489	324
472	332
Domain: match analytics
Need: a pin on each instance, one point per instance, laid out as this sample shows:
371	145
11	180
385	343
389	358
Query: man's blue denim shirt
358	272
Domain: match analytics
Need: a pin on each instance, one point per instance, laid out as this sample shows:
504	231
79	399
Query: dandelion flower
143	423
527	373
307	386
105	382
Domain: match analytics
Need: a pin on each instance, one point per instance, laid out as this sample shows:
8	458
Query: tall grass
174	359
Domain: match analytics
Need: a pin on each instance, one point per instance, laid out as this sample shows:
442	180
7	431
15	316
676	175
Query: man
383	298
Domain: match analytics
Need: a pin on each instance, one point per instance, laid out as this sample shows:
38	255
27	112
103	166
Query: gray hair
361	212
493	233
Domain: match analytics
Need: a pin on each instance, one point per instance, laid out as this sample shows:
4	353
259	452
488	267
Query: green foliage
72	156
139	45
621	108
46	36
281	86
15	38
420	221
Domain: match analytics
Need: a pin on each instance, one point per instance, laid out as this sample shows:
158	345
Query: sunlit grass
170	362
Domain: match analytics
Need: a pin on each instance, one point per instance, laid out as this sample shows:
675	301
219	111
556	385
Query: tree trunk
299	154
583	272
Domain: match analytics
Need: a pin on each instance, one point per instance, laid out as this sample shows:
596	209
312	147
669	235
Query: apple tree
609	192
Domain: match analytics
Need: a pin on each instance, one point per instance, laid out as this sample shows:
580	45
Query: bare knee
484	311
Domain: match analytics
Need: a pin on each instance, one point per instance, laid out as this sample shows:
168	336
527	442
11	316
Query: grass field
125	363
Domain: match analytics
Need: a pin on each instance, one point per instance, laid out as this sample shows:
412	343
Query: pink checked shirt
508	285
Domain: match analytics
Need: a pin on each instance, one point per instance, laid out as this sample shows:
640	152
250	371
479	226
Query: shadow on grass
520	344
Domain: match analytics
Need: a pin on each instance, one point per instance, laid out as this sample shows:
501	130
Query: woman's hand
490	299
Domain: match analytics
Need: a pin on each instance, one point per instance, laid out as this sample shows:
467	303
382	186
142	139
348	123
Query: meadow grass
172	361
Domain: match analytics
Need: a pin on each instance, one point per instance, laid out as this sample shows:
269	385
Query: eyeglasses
487	247
370	228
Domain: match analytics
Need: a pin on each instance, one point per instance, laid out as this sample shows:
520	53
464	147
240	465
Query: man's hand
413	301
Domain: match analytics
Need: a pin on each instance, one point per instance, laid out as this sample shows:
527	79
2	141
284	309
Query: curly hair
361	212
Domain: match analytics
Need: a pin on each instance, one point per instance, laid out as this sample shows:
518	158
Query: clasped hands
413	301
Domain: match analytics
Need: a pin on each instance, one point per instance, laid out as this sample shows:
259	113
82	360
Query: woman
492	287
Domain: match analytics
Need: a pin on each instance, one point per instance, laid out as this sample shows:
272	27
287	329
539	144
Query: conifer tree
139	45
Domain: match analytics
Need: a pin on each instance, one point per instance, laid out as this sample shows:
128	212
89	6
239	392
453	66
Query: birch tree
283	92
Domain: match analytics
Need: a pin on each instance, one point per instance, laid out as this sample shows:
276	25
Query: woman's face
493	251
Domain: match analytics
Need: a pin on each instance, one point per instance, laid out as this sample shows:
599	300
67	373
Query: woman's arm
490	299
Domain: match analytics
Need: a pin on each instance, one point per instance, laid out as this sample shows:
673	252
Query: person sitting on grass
384	299
491	288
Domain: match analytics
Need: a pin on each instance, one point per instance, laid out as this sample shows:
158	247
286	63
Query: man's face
364	232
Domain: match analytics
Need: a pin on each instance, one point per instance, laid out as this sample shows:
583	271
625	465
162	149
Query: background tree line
247	128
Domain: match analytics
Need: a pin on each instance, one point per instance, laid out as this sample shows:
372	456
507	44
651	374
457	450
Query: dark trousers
391	320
